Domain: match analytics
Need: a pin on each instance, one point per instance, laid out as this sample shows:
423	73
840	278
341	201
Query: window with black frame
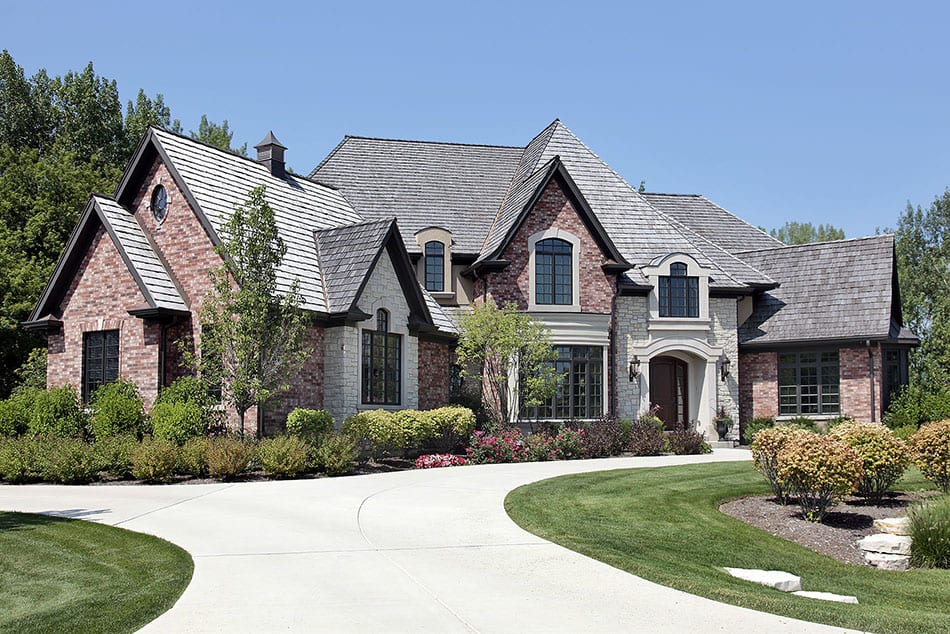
553	274
895	373
382	363
100	360
435	266
808	383
581	390
678	293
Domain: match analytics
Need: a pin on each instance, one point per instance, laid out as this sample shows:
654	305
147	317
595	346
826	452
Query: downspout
871	379
161	357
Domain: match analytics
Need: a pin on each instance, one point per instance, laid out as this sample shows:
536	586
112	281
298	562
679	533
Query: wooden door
668	391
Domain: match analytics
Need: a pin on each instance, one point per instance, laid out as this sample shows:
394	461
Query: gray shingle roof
345	256
440	315
425	184
159	287
829	290
220	180
712	222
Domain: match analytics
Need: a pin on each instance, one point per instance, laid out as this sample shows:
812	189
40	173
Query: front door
668	390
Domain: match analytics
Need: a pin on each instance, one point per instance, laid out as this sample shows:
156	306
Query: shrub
310	424
191	389
930	532
646	437
507	445
754	426
831	423
154	460
931	452
114	455
229	457
905	432
687	442
335	454
285	456
20	459
193	456
445	428
884	456
435	460
56	412
116	409
539	447
803	422
378	431
818	470
918	404
68	461
568	443
15	412
603	437
766	445
178	421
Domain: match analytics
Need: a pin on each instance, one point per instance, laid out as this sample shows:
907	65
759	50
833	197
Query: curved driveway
413	551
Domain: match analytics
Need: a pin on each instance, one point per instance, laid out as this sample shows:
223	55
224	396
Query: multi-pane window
808	383
580	393
553	278
895	373
382	363
679	293
435	266
100	360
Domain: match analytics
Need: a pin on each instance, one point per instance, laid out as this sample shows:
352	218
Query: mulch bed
835	536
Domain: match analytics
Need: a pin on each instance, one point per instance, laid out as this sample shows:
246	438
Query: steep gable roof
846	289
454	186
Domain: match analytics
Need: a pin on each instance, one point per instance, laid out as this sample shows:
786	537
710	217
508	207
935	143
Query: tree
503	344
141	115
251	336
806	233
217	135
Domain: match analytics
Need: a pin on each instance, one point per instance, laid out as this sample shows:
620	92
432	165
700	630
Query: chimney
271	153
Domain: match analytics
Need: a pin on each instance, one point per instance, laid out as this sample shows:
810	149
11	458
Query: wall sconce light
634	368
724	363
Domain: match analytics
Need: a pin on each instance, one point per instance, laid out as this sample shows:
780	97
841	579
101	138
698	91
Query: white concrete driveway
414	551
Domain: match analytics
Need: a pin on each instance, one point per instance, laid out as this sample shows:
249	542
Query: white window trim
437	234
661	268
560	234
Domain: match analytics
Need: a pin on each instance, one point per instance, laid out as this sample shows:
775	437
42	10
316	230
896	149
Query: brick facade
434	362
758	387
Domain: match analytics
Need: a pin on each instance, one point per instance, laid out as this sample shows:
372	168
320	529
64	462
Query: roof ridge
431	142
670	194
822	244
386	220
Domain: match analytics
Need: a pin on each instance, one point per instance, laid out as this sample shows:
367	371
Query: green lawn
61	575
663	524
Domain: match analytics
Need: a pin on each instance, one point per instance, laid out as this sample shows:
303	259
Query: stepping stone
826	596
885	561
886	543
893	525
784	581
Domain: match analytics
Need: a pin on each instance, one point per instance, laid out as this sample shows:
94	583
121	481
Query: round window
159	203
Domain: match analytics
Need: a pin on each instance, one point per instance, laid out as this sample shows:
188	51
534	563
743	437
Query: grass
663	524
61	575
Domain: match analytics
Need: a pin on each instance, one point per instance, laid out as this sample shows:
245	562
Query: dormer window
435	266
678	293
553	275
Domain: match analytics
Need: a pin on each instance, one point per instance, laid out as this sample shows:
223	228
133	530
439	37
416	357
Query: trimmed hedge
310	424
382	433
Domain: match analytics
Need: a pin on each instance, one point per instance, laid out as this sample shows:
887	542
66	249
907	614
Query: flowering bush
883	455
646	437
931	451
507	445
818	470
604	437
540	448
767	442
569	443
435	460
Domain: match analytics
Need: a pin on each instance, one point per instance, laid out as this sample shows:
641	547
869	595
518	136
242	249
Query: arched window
382	363
553	278
435	266
678	293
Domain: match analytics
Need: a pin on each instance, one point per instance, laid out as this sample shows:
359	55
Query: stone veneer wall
630	330
341	377
723	311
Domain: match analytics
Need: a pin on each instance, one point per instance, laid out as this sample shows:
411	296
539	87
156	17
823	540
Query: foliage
687	442
379	431
539	447
114	454
604	437
116	409
751	428
178	421
218	135
196	391
155	460
193	456
499	342
15	413
385	433
766	445
803	422
930	448
252	334
67	461
310	424
818	470
904	432
32	374
919	403
229	457
930	533
284	456
336	453
507	445
884	456
435	460
806	233
20	459
56	412
445	428
646	437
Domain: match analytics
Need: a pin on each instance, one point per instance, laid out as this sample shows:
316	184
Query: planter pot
722	428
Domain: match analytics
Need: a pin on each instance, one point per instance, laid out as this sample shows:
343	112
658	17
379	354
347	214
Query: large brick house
656	301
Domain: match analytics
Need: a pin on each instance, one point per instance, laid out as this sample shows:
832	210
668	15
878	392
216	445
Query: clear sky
813	111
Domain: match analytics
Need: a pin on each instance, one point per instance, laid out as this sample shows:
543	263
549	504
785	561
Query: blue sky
823	112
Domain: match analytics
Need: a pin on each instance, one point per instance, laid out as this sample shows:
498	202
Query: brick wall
306	386
434	361
855	383
758	385
552	210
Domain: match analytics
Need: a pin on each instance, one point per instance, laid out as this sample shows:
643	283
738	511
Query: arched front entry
669	389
